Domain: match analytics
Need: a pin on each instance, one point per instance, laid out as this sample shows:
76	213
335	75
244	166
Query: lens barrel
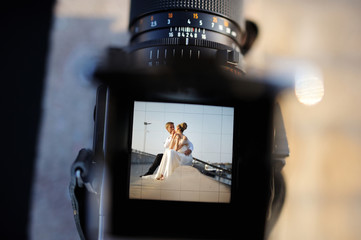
164	31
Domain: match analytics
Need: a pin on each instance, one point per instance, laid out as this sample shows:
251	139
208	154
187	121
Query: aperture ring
161	51
231	9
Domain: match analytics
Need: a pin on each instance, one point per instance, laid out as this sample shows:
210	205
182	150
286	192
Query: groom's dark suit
155	164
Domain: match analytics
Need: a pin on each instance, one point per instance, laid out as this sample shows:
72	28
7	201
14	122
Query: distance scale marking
185	19
191	36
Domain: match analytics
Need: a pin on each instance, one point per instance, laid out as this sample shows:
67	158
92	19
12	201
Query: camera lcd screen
198	165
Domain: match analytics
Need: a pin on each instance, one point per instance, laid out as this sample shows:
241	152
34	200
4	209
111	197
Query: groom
170	128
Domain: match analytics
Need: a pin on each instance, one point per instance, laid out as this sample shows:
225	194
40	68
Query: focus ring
231	9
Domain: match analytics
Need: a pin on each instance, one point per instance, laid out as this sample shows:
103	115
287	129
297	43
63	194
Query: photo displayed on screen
181	152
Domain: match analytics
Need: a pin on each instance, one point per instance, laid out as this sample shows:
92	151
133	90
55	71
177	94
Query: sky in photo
210	128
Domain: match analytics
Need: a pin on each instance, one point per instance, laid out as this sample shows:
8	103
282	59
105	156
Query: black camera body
196	68
253	103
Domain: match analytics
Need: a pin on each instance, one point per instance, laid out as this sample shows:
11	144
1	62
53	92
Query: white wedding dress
173	159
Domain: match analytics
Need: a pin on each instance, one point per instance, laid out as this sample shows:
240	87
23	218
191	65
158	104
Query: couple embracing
177	152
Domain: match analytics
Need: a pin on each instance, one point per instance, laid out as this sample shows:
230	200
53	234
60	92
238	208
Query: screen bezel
250	189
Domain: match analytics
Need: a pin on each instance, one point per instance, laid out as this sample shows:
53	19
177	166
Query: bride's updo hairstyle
182	126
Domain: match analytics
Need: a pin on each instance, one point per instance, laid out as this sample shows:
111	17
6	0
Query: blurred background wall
323	173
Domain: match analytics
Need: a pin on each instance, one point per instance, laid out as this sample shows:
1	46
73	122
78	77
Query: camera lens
164	31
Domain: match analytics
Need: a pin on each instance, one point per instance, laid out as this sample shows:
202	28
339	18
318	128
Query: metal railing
214	166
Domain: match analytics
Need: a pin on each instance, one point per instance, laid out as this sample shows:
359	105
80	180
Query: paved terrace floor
185	184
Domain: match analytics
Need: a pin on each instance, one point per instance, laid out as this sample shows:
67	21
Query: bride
174	156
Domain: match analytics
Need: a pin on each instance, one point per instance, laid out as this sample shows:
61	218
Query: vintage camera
183	64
